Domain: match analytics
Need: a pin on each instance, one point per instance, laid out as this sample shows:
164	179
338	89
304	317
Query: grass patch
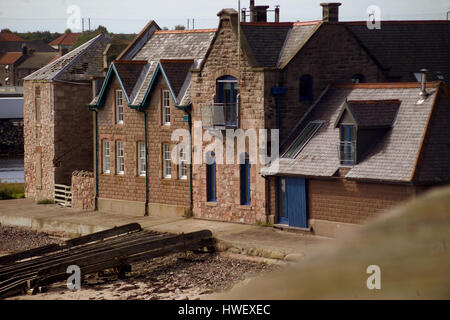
11	190
46	201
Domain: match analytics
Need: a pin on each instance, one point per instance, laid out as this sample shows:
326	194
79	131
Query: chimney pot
330	11
423	87
277	14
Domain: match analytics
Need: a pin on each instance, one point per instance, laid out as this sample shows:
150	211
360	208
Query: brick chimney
258	13
330	12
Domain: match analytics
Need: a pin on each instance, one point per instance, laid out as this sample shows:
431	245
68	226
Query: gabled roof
75	65
37	60
66	39
371	113
399	157
10	57
171	45
405	47
39	46
9	36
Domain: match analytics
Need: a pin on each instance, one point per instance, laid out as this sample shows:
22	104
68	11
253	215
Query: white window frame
119	106
106	155
182	162
142	165
167	161
120	158
165	101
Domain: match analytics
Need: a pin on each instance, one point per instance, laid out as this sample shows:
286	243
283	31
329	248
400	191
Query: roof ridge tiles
384	85
184	31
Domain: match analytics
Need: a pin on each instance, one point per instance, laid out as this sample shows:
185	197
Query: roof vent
423	87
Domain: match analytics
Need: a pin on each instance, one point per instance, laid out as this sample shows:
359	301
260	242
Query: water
11	170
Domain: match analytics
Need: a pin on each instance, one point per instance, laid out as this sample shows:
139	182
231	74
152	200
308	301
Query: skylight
303	138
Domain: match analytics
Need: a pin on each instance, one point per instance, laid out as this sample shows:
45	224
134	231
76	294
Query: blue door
292	202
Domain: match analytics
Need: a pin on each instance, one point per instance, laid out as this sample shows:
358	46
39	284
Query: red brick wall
131	186
352	202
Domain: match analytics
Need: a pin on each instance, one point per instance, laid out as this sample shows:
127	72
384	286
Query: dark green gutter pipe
96	155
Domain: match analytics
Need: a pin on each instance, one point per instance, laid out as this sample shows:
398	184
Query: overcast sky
129	16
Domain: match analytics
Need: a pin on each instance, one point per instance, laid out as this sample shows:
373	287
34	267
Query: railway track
114	248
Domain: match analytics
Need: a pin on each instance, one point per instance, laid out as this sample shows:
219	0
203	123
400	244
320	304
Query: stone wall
11	137
83	190
222	61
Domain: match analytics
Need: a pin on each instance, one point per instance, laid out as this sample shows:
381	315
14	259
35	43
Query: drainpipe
96	157
146	162
278	91
187	111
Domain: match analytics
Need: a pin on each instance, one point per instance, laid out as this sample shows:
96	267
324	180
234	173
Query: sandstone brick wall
352	202
61	141
131	186
223	61
38	141
332	55
83	190
341	200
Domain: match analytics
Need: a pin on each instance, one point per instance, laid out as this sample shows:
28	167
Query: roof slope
79	64
375	113
171	45
10	57
392	159
66	39
128	72
176	72
405	47
9	36
37	60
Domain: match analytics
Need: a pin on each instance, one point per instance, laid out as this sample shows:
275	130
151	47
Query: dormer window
347	152
361	125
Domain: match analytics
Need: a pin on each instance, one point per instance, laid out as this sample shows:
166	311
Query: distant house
32	62
361	149
10	42
11	121
57	128
64	42
8	68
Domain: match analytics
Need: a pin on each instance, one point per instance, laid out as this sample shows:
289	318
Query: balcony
347	153
220	115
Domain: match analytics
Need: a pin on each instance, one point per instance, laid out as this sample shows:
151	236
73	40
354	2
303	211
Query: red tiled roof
65	39
6	36
10	57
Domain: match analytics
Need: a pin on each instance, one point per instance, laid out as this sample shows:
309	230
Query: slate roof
172	45
39	46
405	47
394	158
129	72
374	113
66	39
91	49
10	57
176	72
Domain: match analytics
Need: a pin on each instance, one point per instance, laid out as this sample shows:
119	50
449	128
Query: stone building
57	128
145	97
361	149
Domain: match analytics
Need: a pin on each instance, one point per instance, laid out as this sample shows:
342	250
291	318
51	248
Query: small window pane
167	161
142	167
182	174
119	106
106	157
120	161
166	107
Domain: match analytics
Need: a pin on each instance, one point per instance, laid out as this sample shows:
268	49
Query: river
11	170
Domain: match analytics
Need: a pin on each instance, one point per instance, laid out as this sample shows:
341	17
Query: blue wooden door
293	206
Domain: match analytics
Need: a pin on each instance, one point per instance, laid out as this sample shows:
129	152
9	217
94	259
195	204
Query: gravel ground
14	239
180	276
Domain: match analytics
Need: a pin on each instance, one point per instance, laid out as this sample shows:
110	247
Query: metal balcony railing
347	153
220	115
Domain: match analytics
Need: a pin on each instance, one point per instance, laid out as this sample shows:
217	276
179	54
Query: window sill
211	204
245	207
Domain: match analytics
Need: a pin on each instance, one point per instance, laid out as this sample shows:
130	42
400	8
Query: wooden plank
29	253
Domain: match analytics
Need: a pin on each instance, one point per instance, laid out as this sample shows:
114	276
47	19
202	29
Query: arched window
211	177
306	88
245	179
358	78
